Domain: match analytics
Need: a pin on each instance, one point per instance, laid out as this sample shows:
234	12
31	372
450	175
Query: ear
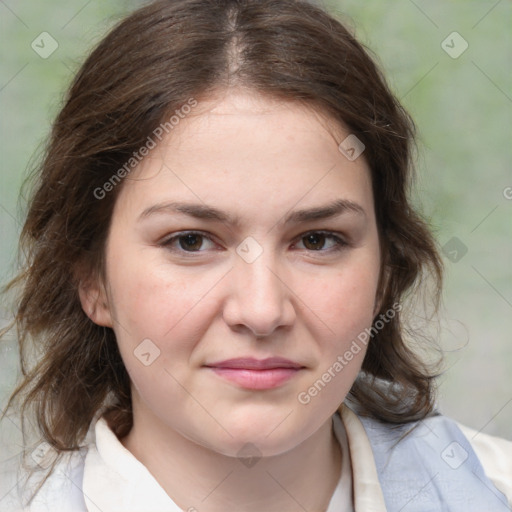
94	300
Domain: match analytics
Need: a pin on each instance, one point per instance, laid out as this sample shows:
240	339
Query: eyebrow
205	212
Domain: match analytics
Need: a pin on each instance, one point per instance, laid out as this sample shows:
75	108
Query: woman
219	246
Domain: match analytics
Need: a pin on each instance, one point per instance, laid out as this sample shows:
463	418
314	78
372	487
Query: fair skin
200	302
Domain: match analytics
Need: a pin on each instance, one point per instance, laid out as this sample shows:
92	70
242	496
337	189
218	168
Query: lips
249	363
256	374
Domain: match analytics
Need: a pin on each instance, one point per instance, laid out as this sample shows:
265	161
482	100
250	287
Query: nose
260	299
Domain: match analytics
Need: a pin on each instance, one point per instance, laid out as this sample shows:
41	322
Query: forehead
230	118
252	153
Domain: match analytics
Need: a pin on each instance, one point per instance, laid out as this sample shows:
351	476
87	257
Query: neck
200	479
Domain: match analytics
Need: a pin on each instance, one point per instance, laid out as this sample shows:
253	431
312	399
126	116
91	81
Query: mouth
250	373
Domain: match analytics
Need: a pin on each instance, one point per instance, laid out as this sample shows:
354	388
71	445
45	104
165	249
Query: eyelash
340	243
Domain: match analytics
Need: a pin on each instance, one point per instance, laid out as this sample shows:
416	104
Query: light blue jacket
432	469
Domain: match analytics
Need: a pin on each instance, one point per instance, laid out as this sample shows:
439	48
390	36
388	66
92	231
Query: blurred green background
462	105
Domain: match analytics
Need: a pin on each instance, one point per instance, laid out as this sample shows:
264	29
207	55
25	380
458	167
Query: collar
116	481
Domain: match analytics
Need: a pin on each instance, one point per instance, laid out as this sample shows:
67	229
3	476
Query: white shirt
106	477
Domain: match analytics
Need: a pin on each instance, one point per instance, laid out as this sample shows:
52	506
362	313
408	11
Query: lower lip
257	379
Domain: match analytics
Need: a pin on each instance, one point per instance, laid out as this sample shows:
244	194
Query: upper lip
250	363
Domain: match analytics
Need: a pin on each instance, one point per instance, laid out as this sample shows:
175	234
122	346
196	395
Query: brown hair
146	68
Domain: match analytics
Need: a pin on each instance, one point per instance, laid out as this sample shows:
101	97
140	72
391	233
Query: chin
249	446
266	434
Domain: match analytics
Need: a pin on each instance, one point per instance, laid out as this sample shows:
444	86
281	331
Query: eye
193	241
315	241
189	241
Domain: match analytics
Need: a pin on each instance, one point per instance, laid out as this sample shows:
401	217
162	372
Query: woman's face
230	287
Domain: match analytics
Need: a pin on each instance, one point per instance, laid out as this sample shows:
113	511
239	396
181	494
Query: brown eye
190	241
187	242
316	241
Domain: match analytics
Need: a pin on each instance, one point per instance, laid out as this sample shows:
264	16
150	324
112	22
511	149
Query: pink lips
253	373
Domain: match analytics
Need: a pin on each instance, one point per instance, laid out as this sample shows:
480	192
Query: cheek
159	319
151	299
162	314
346	301
345	305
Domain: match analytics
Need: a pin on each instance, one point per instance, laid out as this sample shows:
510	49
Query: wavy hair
146	68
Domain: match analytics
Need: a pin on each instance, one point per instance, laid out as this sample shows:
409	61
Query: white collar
115	481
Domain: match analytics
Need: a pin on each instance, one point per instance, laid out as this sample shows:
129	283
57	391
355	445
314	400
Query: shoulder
495	454
61	491
433	461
